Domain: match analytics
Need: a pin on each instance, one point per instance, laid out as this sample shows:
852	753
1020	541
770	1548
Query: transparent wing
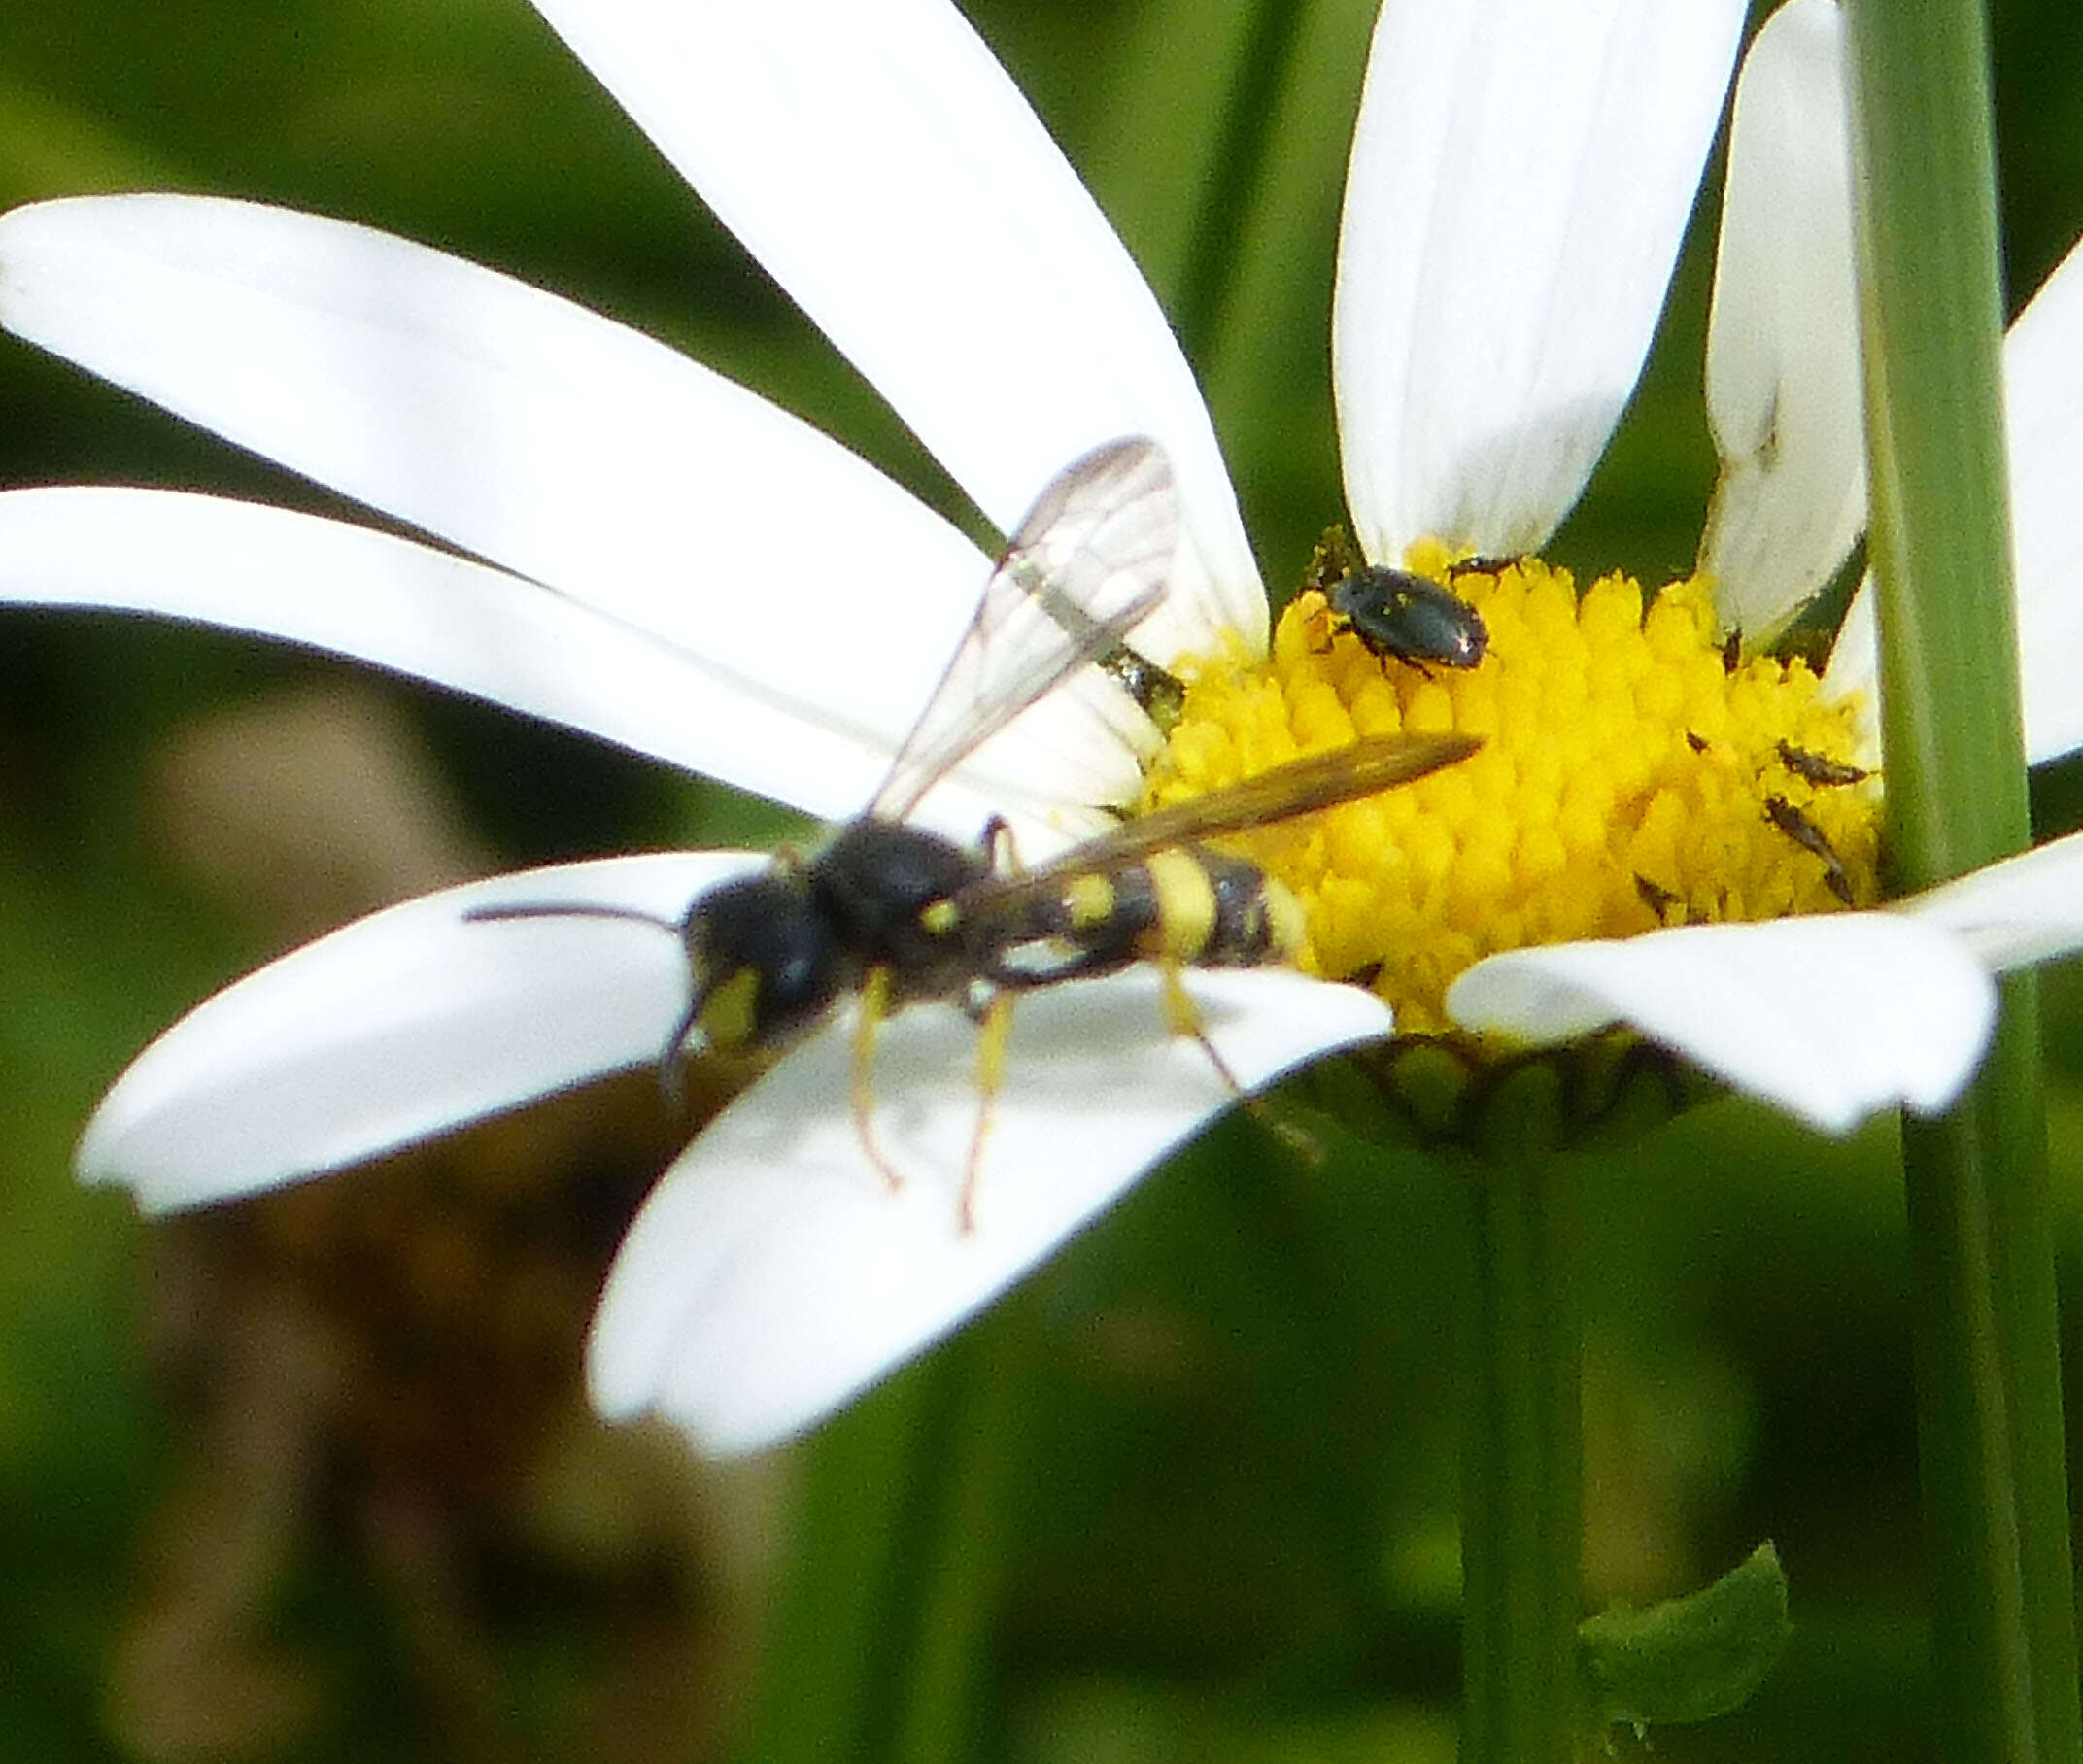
1315	781
1088	564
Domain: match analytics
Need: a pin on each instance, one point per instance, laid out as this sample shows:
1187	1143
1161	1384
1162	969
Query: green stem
1308	1328
962	1550
1521	1478
1235	171
1981	1236
1989	1418
880	1640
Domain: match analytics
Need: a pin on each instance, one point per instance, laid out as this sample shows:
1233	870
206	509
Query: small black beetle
1395	613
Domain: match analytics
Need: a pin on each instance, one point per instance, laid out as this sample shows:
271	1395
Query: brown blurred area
375	1378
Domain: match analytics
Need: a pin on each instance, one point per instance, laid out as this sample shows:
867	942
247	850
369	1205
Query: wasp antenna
562	909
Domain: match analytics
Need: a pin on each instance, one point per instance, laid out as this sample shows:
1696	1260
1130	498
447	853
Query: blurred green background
310	1478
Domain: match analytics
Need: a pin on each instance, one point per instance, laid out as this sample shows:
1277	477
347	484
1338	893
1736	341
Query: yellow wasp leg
1184	1018
992	1036
874	1012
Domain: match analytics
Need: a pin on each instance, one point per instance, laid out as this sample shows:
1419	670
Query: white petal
881	164
402	1025
1784	397
803	586
348	590
428	614
1522	175
2025	909
1830	1017
2043	397
516	426
772	1274
2044	438
1855	657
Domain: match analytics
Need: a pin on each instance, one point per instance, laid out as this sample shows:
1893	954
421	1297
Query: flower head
1662	796
1659	800
1633	775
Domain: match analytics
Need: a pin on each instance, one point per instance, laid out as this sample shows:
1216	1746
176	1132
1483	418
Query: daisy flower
607	511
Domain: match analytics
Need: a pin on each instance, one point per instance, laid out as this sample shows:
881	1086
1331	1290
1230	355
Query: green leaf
1693	1658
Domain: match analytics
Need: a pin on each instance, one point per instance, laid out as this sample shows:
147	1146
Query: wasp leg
874	1012
993	1035
1000	847
1184	1018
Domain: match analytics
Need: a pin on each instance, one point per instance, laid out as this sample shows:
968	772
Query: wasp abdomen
1189	906
1256	919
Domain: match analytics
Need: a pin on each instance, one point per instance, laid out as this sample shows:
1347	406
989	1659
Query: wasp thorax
888	888
1628	779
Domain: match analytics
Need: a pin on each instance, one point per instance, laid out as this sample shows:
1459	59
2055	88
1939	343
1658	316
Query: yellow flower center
1633	774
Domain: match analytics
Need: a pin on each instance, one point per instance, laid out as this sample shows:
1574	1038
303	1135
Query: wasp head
762	963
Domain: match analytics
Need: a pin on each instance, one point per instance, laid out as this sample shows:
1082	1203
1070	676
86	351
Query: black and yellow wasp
895	915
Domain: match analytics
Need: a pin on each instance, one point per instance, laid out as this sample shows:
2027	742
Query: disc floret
1636	772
